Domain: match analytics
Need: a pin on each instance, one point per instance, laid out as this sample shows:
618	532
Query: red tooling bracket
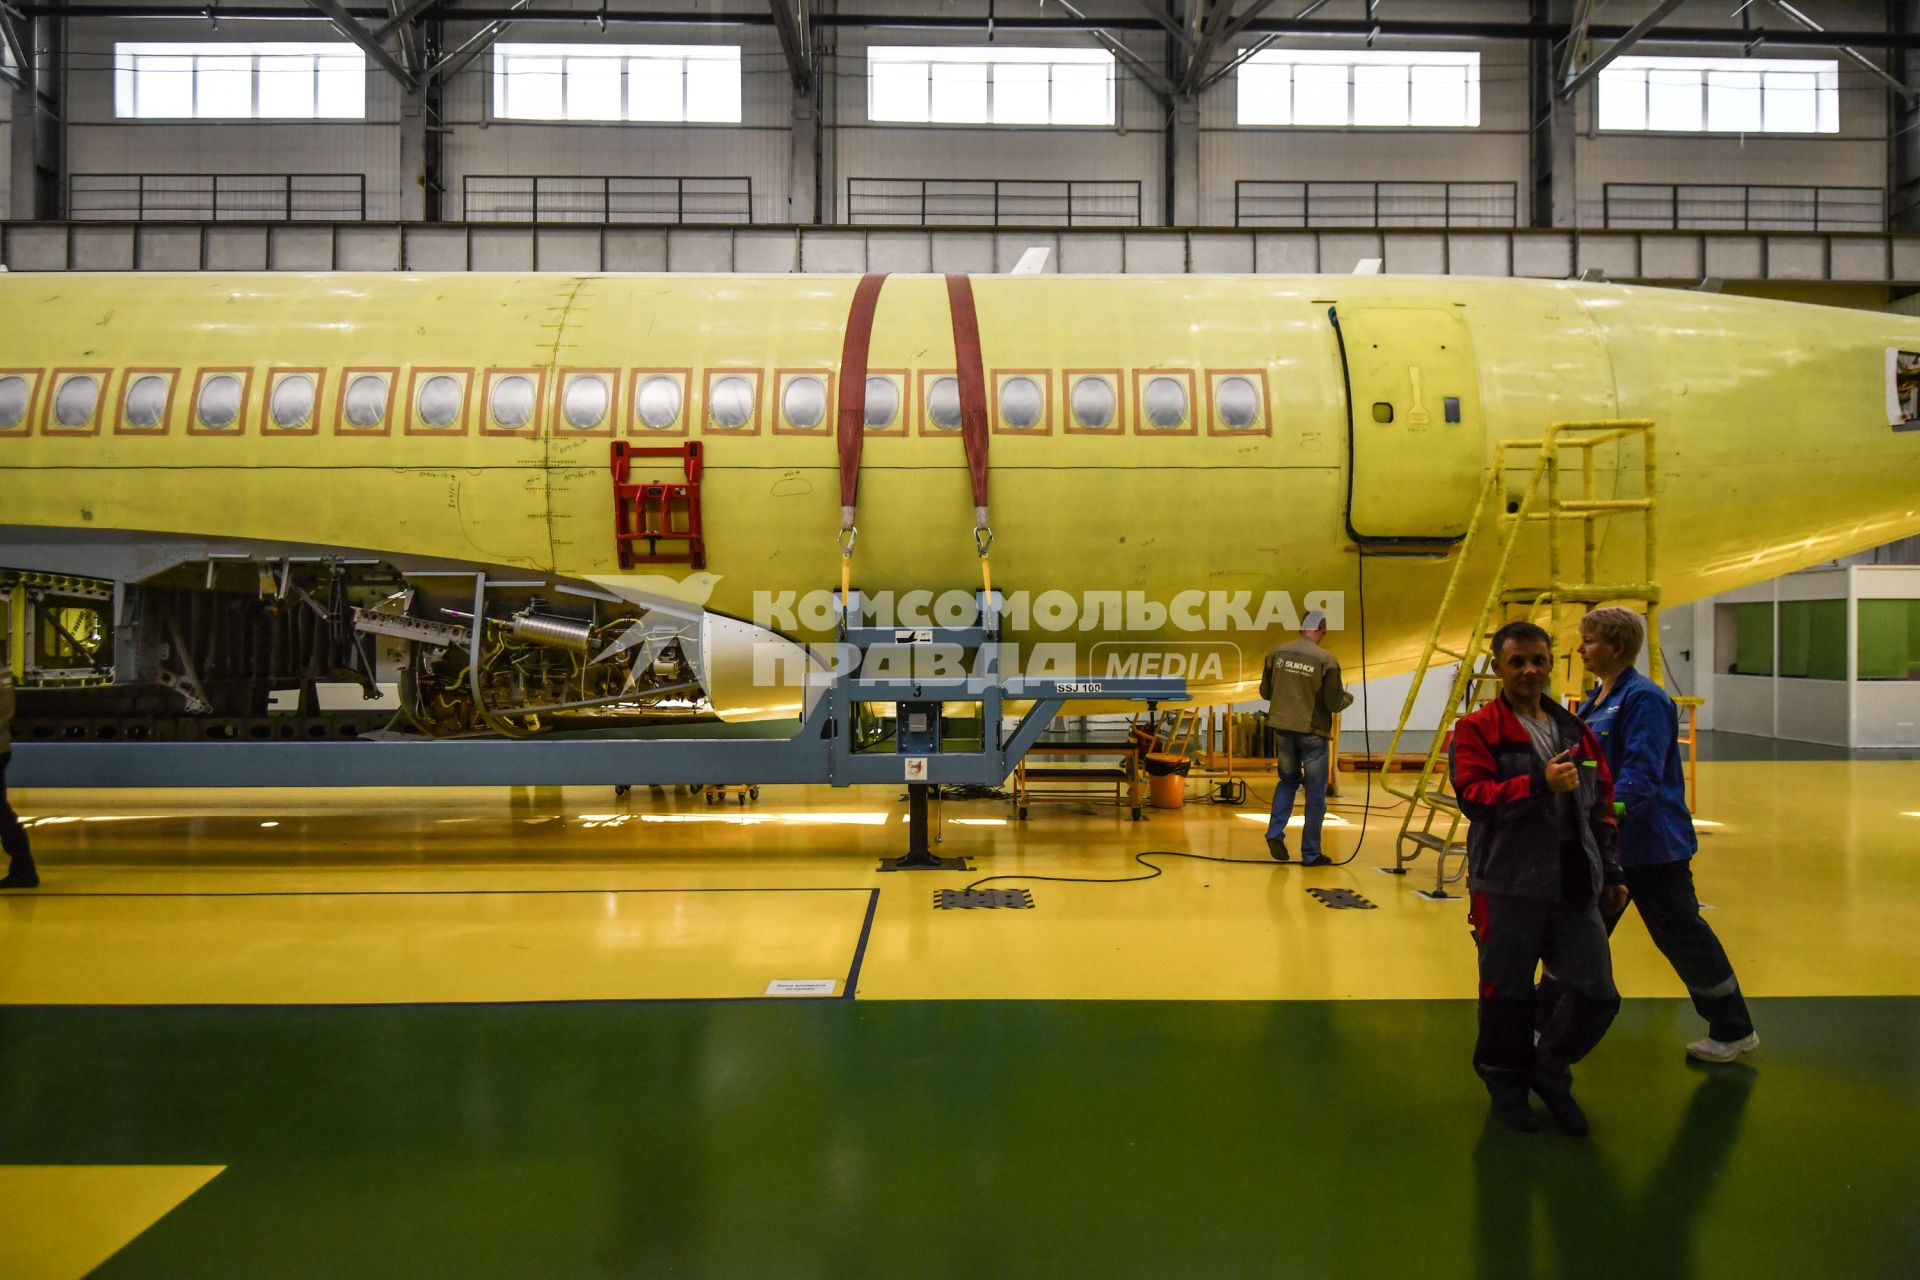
652	511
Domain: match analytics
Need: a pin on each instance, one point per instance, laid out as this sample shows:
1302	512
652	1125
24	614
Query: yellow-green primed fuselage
1776	447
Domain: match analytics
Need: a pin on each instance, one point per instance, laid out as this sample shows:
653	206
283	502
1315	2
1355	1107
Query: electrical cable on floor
1141	858
1365	807
1154	872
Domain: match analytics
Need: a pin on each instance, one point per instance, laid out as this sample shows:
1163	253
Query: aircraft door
1416	439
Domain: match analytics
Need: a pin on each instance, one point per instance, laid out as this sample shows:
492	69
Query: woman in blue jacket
1638	726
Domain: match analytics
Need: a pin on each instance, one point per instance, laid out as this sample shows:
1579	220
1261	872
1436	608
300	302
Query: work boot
1565	1111
21	874
1277	849
1511	1108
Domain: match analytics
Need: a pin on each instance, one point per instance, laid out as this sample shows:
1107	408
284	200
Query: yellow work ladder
1432	819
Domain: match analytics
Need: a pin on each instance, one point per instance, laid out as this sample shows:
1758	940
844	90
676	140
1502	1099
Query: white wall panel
98	143
1132	150
756	149
1886	714
1495	151
1855	157
1743	704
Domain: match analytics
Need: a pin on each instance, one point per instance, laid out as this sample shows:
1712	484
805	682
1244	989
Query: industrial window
586	400
1165	401
940	393
930	84
76	401
671	83
1093	402
733	401
1889	643
1409	88
1746	632
219	398
510	401
229	81
659	401
438	401
1237	401
1813	639
292	397
1720	95
1021	400
16	396
883	414
1903	389
146	400
806	400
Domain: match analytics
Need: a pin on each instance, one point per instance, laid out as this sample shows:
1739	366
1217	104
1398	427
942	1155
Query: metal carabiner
847	536
983	539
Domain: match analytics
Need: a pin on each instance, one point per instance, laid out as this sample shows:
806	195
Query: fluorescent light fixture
269	824
1703	822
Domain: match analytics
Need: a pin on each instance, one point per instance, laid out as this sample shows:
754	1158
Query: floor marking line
337	1005
407	893
860	947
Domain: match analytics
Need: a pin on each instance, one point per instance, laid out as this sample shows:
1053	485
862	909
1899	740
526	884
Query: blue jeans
1303	758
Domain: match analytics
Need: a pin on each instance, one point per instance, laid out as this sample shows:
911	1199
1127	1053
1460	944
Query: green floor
840	1139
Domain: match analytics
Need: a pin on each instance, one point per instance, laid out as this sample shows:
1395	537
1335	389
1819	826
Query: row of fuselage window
442	401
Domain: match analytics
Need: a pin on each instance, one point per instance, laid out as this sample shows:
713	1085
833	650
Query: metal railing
218	197
1705	206
607	199
1262	203
993	202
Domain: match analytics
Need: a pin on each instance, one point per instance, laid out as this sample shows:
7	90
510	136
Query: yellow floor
63	1220
1812	868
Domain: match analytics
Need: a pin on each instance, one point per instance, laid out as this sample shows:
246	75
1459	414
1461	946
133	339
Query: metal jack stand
920	855
929	656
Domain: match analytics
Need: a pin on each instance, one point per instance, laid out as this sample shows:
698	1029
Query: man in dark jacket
21	873
1532	781
1301	683
1639	727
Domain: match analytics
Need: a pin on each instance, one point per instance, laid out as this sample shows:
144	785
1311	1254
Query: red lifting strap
853	390
973	389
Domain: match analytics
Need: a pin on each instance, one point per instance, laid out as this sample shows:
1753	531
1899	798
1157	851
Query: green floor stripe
952	1138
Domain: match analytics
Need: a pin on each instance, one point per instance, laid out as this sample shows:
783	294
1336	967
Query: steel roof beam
350	27
790	20
1384	29
1313	7
403	16
1852	55
1161	87
476	44
1573	83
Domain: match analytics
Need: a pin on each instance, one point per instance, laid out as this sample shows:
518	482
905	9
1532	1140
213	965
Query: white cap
1314	621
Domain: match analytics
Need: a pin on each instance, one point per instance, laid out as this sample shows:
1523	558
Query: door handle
1418	415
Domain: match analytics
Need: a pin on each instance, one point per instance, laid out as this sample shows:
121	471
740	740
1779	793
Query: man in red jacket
1534	783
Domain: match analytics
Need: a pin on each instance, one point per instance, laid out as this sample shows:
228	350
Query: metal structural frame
821	750
1566	446
1552	253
